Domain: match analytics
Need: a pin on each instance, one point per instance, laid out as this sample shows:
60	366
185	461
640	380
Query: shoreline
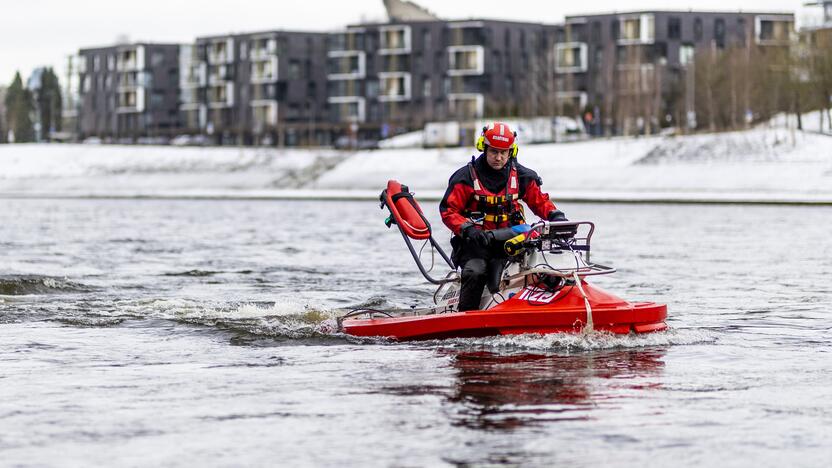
434	196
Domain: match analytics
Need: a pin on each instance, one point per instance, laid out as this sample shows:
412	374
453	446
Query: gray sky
44	32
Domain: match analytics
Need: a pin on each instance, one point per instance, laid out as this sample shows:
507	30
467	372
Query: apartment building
620	72
128	91
819	33
624	71
265	87
394	77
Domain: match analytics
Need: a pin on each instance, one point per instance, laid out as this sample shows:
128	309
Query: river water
188	333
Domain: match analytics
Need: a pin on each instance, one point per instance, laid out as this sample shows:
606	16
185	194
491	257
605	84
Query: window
294	69
157	59
719	28
157	99
615	29
598	57
697	29
372	88
660	51
426	86
596	31
741	32
674	28
719	32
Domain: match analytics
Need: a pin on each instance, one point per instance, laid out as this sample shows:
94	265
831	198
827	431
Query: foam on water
596	340
284	318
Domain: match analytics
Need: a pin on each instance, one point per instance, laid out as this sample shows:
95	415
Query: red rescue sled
542	288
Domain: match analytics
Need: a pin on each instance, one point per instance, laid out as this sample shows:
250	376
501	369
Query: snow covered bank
102	170
742	165
760	165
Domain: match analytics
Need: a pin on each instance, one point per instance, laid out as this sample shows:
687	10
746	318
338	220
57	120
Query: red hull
529	311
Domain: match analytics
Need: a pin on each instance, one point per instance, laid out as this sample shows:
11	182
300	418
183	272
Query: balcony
466	60
131	59
466	33
636	79
263	49
394	86
773	30
466	106
219	74
466	85
349	41
193	72
130	101
189	99
264	115
348	109
394	40
263	92
221	51
639	29
344	88
193	76
396	63
571	57
571	102
346	65
220	96
264	71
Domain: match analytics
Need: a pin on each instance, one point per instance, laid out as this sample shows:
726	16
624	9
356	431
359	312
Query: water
182	333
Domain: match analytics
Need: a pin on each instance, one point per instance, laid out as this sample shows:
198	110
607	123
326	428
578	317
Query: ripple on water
22	285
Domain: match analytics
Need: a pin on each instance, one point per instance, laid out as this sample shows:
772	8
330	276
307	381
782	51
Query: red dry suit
481	191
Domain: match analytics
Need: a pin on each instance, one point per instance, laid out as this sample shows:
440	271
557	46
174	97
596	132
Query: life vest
497	209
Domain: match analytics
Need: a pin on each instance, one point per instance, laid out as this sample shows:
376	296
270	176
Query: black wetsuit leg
473	282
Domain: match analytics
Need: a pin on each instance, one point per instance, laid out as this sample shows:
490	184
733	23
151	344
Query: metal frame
449	278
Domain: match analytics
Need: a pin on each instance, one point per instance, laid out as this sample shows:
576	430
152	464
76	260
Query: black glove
474	235
556	215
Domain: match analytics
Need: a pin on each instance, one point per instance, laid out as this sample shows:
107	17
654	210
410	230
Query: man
484	195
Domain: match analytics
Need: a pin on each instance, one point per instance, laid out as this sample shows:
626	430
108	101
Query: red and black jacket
495	195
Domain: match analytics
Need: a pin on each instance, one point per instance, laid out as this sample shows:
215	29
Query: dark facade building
398	76
259	87
624	72
128	91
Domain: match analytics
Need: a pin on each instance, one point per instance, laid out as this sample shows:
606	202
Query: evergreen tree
49	103
19	105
